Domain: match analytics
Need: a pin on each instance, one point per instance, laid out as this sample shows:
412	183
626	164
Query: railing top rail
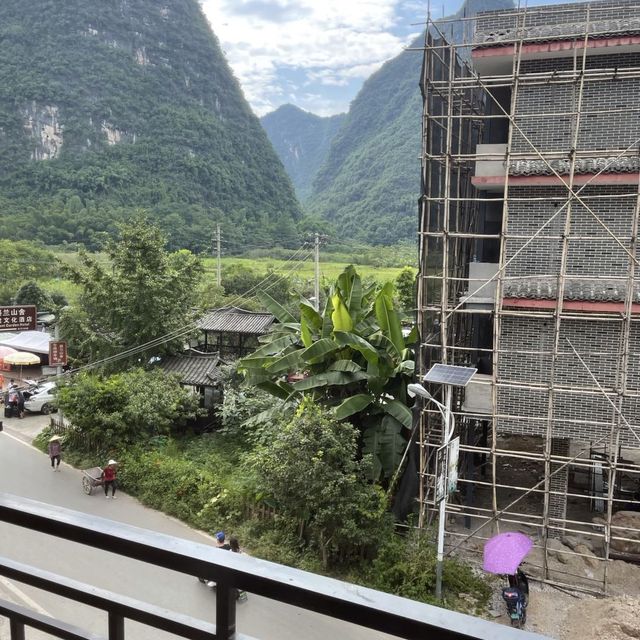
366	607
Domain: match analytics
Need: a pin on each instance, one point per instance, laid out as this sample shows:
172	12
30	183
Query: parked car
42	399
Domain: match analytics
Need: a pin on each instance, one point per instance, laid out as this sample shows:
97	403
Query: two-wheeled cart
91	478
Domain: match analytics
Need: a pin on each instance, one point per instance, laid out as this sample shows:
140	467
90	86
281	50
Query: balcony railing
365	607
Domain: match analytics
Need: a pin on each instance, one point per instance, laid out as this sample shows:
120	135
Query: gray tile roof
234	320
583	290
199	370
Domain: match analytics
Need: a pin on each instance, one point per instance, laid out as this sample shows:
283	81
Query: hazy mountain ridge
302	141
369	183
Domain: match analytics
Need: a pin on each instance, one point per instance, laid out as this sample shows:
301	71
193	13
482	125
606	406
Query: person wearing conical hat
55	450
109	479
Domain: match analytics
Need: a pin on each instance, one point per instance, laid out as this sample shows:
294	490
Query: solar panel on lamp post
450	376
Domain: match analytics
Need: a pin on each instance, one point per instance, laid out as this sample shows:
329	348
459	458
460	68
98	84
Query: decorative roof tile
545	288
201	370
235	320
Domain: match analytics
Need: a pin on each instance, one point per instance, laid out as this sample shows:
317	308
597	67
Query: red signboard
19	318
57	353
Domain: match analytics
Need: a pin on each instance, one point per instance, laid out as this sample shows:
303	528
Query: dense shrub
406	566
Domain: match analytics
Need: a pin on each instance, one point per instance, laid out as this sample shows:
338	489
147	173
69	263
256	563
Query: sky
315	54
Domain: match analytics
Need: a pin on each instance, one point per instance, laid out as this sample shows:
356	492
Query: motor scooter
516	597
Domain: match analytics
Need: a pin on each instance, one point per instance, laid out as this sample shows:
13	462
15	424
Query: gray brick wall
580	411
597	131
596	255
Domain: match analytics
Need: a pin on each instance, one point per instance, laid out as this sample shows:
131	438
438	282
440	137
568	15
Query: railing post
116	626
225	612
17	629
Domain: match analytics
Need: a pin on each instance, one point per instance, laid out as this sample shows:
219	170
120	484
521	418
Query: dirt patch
609	618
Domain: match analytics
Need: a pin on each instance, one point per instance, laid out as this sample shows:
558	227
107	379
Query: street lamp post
448	427
449	376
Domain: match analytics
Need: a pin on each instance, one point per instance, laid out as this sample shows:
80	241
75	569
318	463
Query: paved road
24	471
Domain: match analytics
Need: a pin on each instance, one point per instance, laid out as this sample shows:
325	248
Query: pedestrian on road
109	479
55	449
221	542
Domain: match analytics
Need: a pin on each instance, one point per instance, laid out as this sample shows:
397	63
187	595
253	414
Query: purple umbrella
504	553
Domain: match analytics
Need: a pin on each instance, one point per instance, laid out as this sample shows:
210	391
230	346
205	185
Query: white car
43	399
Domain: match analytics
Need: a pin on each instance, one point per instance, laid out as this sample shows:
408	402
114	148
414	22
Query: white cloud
330	42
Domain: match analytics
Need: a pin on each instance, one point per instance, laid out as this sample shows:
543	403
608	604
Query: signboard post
441	474
18	318
57	353
453	455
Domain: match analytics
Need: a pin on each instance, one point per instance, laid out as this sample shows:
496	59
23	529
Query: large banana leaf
345	365
400	412
327	324
274	307
358	344
280	390
340	317
314	319
275	346
350	286
290	362
384	442
319	349
305	332
388	319
352	405
333	378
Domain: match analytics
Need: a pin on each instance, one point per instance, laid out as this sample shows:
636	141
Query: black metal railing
371	609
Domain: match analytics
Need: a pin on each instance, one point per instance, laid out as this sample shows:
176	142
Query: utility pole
316	288
219	280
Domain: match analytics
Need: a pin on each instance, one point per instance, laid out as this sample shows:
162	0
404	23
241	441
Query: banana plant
352	356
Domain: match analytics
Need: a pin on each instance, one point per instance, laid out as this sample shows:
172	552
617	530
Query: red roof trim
570	305
554	46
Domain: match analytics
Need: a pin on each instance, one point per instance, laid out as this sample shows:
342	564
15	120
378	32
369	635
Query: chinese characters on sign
57	353
19	318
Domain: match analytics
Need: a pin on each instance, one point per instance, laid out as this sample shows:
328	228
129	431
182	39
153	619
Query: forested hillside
370	181
107	106
301	140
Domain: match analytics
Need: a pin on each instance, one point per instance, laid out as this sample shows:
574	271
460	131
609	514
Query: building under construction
528	234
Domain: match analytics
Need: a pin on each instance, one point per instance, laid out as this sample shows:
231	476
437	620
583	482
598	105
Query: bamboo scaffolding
450	229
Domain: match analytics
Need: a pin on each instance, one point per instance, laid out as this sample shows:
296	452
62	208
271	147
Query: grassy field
297	270
304	270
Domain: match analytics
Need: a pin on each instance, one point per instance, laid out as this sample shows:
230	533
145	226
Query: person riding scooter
516	597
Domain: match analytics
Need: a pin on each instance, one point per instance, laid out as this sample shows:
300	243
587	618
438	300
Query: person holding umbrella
55	450
502	555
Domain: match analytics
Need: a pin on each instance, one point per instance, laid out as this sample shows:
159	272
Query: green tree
353	357
23	261
311	473
33	293
112	412
406	289
146	295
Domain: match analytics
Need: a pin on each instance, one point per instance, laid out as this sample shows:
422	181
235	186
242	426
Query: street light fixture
450	376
